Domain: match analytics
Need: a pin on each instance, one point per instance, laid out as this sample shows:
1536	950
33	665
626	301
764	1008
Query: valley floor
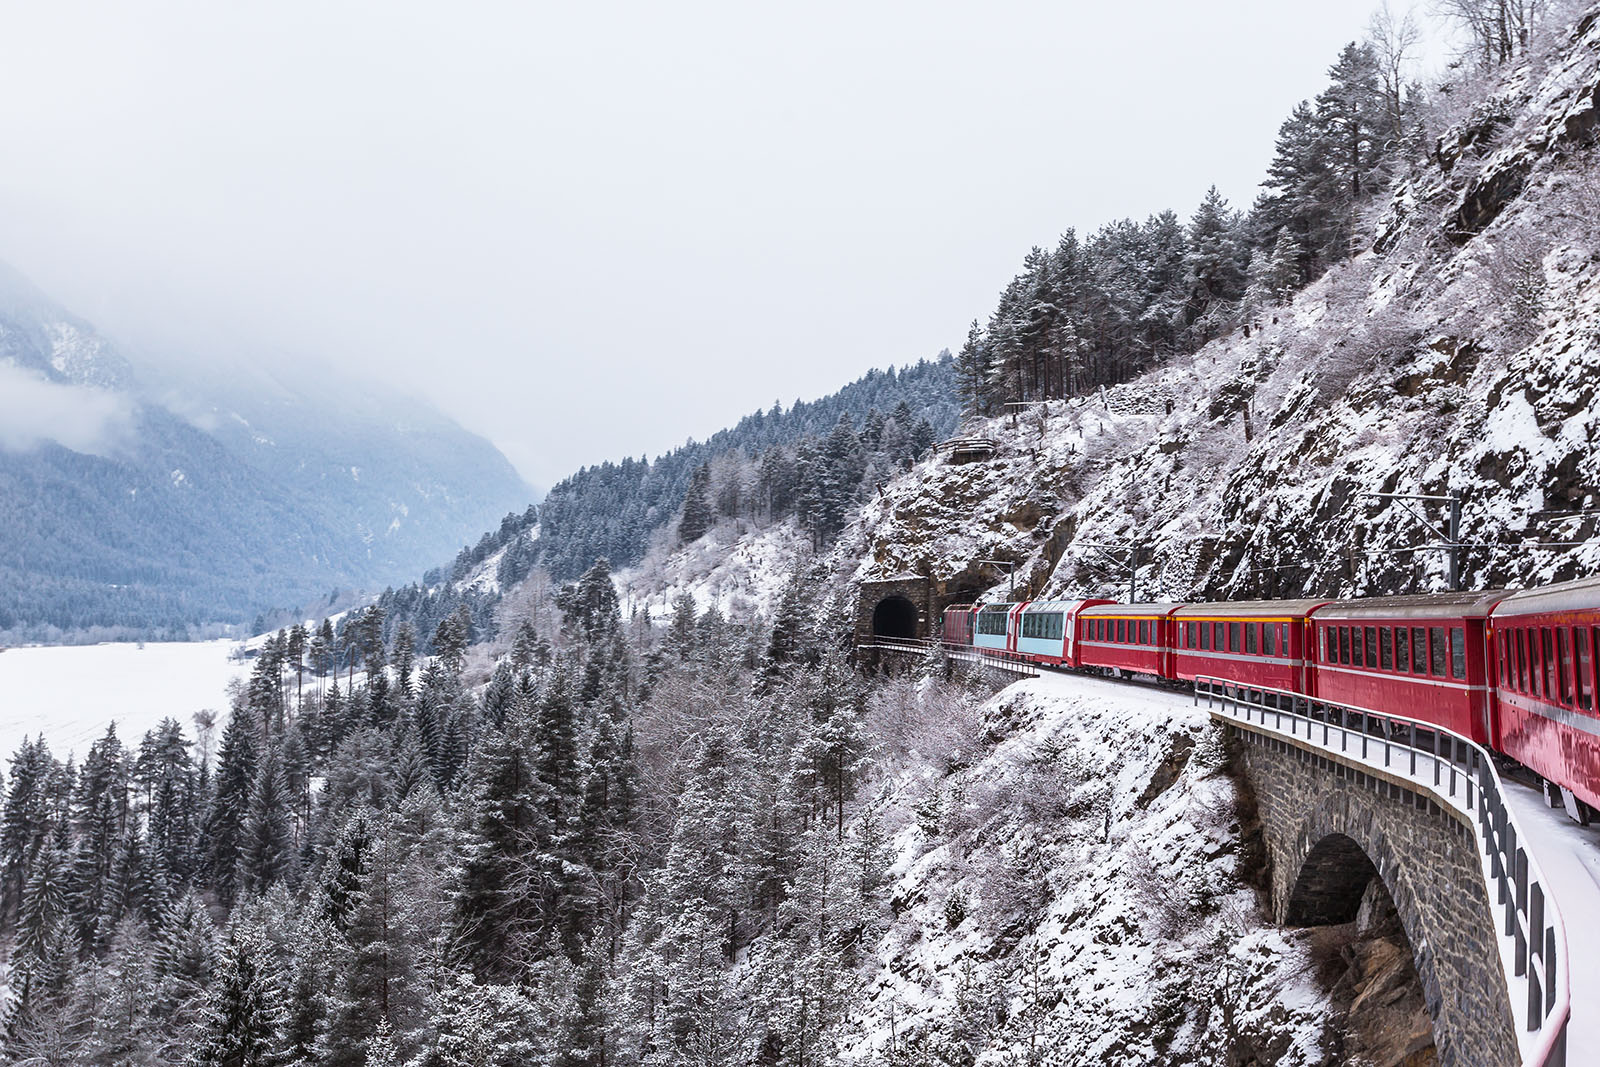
70	693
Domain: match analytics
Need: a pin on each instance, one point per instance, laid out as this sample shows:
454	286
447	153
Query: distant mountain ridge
219	495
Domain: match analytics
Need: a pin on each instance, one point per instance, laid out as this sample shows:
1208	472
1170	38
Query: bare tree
1393	41
1500	29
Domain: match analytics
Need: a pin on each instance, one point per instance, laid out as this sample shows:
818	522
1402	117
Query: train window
1458	652
1233	637
1502	646
1547	643
1122	631
1190	634
1250	638
1419	650
1522	660
1344	644
1436	651
992	622
1372	646
1205	635
1564	664
1355	646
1402	649
1331	652
1386	648
1144	633
1044	626
1269	635
1585	658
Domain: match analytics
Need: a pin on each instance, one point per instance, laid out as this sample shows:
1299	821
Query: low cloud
33	410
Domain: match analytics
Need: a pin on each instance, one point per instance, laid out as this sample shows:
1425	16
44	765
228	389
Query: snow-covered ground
1074	888
69	693
738	569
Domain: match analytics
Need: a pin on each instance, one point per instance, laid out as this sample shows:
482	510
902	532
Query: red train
1514	671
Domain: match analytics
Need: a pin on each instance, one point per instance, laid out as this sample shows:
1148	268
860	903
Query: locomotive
1513	670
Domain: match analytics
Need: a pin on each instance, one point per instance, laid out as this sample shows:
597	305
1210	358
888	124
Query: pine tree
266	848
1214	265
244	1005
224	825
697	517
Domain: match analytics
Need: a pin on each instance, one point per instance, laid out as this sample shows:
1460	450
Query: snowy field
70	693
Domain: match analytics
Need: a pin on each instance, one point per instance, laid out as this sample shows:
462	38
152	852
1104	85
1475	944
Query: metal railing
1014	662
1458	774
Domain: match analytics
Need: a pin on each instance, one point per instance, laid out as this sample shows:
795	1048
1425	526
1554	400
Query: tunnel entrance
895	616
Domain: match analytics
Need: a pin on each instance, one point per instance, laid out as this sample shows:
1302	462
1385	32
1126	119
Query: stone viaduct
1331	826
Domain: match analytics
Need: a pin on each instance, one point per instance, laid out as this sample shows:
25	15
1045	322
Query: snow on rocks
1073	892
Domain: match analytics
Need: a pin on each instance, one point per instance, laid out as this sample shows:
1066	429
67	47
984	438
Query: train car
1418	656
1257	642
993	626
1047	630
1132	638
957	629
1545	643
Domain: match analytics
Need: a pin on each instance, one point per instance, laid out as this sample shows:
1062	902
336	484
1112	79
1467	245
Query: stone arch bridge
1345	799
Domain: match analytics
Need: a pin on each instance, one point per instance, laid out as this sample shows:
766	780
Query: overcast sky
595	229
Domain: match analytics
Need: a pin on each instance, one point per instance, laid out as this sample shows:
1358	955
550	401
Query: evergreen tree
244	1006
224	824
697	517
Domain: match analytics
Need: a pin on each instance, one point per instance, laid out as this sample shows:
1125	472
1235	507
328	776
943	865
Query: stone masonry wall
1428	860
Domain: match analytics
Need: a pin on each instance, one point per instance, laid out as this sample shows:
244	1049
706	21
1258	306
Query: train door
1014	626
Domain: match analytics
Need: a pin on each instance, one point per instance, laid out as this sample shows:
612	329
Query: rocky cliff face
1459	353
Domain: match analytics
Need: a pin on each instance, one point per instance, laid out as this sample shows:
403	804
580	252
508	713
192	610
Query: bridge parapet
1426	807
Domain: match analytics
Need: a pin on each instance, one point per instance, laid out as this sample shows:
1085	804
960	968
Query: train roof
1564	596
1421	606
1154	610
1061	605
1250	608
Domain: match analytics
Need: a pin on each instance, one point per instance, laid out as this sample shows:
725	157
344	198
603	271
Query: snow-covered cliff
1458	353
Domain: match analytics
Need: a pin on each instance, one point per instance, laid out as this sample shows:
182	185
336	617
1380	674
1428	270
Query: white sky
591	230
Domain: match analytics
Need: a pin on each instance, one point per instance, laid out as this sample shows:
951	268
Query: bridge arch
895	616
1330	831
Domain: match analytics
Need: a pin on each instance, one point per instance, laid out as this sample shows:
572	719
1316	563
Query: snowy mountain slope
1459	354
1074	893
220	492
737	566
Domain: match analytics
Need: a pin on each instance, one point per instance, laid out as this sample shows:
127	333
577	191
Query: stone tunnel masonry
1426	857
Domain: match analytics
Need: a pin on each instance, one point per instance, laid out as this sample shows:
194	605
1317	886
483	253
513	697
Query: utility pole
1449	539
1114	553
1453	532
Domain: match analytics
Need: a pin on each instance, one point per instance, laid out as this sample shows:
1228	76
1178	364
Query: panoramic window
992	622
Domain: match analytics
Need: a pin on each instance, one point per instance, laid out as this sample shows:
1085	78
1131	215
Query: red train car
1134	638
1418	656
958	621
1545	643
1257	642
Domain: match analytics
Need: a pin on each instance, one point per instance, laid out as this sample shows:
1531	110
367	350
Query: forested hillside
612	509
1096	310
